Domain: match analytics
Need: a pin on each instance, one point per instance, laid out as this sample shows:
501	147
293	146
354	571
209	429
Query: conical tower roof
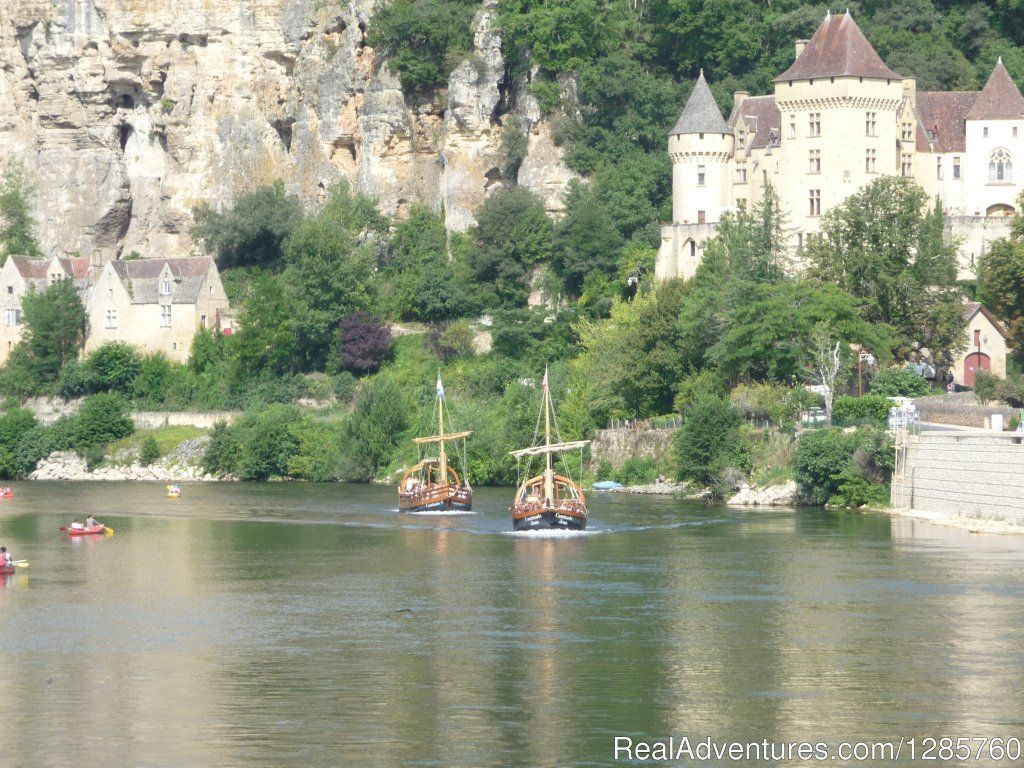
999	99
838	49
701	113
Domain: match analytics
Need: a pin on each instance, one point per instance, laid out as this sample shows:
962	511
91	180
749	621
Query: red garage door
974	362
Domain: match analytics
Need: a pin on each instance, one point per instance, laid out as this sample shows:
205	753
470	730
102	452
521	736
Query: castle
840	118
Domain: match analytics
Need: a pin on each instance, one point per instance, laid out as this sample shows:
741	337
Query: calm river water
314	625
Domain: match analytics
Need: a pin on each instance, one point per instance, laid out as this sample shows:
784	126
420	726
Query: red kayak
6	570
85	531
7	495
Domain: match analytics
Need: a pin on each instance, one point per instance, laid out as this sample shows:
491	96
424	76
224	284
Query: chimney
738	98
800	45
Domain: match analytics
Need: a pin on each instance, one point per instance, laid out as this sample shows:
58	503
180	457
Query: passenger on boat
90	521
5	557
77	525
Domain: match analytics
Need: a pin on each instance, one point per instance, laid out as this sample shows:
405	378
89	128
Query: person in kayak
77	525
5	557
90	521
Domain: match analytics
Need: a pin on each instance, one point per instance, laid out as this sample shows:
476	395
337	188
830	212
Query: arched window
999	166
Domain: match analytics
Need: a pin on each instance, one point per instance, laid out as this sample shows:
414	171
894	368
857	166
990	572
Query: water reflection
255	625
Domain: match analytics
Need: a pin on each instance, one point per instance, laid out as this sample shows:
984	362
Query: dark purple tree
364	342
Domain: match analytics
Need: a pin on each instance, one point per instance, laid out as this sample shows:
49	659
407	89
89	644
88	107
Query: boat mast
442	456
549	472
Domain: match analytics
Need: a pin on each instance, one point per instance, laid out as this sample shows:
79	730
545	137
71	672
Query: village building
839	118
154	304
21	274
985	349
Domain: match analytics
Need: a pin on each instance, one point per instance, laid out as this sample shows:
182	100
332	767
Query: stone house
838	119
153	304
19	275
985	348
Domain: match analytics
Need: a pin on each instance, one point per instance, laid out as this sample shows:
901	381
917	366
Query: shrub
846	468
102	418
900	382
986	386
75	380
764	402
856	410
637	471
709	440
150	451
114	366
364	343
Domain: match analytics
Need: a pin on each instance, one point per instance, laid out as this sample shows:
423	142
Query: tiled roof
143	278
762	112
838	49
999	99
942	115
701	113
30	269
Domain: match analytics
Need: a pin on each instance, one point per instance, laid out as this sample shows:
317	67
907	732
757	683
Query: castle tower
840	110
700	146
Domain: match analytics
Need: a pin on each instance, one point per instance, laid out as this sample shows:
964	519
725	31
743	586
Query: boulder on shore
785	495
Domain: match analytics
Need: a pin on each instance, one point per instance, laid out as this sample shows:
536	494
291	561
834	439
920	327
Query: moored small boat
549	500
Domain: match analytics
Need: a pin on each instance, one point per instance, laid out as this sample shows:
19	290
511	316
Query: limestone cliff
130	112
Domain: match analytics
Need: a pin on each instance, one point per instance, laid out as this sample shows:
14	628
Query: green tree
899	382
423	40
17	224
149	452
378	420
709	440
252	232
330	260
266	340
883	247
101	419
512	235
113	366
585	239
1001	280
55	322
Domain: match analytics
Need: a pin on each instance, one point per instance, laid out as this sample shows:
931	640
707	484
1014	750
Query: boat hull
437	498
91	531
7	570
547	519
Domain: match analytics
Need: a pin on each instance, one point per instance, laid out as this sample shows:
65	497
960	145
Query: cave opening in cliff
126	132
284	132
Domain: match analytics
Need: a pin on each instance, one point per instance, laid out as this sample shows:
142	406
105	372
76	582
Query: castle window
701	217
700	175
165	316
10	289
908	131
938	168
984	132
111	318
956	167
165	287
815	201
869	161
741	171
869	124
906	164
815	161
792	126
999	166
1015	131
12	317
814	124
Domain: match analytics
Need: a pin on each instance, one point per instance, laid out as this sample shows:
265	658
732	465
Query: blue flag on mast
440	387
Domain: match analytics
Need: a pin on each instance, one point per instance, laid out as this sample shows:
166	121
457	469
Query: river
272	624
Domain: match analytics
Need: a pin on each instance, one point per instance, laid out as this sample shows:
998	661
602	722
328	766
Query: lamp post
863	357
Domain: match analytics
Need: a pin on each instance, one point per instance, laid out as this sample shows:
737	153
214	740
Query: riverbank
969	524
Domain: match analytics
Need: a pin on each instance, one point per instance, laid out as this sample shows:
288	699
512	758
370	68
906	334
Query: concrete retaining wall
204	420
968	474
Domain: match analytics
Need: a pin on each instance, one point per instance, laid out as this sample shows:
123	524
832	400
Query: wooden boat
432	483
549	500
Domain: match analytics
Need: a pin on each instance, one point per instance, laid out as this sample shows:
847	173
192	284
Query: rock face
785	495
130	112
181	464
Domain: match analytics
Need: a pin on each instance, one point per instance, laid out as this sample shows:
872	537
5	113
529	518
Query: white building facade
839	119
